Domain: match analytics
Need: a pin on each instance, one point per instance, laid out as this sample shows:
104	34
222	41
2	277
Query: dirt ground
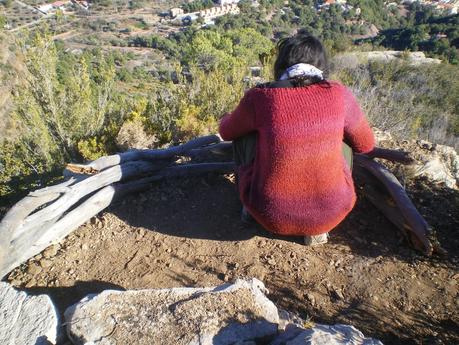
187	232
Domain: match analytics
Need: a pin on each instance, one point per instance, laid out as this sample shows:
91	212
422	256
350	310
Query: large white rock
26	319
219	315
440	165
324	335
413	58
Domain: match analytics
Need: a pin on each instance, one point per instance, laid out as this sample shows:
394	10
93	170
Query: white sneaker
316	240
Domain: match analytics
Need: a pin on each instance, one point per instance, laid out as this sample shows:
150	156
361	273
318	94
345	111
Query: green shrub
191	108
410	101
61	113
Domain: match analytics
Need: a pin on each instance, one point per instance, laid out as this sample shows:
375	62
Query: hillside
187	232
93	72
81	80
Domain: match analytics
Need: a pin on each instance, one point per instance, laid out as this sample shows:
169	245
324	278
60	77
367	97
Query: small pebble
310	297
337	293
45	263
32	282
51	251
33	269
16	282
272	262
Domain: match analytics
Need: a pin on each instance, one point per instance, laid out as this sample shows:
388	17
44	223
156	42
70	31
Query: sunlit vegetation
73	106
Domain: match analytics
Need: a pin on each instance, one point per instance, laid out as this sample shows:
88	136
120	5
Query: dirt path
187	233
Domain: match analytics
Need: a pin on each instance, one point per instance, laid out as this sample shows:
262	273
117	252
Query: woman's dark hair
301	48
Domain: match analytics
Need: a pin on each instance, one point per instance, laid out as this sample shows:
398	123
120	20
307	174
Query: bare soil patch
187	232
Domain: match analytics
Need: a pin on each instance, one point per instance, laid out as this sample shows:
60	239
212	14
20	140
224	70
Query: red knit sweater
299	183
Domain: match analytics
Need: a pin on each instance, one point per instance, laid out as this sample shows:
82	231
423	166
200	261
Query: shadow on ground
198	208
371	319
209	208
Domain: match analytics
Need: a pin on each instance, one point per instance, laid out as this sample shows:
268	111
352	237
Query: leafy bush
438	36
189	108
410	101
61	113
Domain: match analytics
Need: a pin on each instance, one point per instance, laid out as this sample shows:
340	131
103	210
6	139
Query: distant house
227	2
51	8
60	4
327	3
208	15
176	11
331	2
449	8
219	11
45	9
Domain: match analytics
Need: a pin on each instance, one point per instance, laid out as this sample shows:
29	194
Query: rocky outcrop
440	164
413	58
221	315
323	335
238	313
26	319
437	163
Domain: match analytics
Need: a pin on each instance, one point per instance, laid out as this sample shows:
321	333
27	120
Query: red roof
59	3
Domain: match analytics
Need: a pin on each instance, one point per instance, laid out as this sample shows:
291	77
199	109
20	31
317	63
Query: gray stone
26	319
226	314
413	58
438	163
441	165
51	251
323	335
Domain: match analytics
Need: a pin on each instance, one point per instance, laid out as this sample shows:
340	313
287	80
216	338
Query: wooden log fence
47	215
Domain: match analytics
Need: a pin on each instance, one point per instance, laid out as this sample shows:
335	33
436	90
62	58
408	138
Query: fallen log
141	155
384	191
47	215
392	155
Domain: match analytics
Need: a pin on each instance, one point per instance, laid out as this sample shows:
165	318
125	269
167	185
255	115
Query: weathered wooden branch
49	214
392	155
145	155
377	193
38	238
399	209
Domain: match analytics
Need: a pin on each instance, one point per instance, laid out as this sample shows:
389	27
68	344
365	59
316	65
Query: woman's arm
239	122
357	131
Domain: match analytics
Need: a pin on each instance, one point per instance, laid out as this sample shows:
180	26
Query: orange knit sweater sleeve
357	131
239	122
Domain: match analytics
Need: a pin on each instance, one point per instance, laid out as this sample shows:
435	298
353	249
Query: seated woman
293	177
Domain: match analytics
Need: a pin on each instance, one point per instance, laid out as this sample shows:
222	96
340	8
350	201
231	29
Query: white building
176	11
45	9
219	11
227	2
